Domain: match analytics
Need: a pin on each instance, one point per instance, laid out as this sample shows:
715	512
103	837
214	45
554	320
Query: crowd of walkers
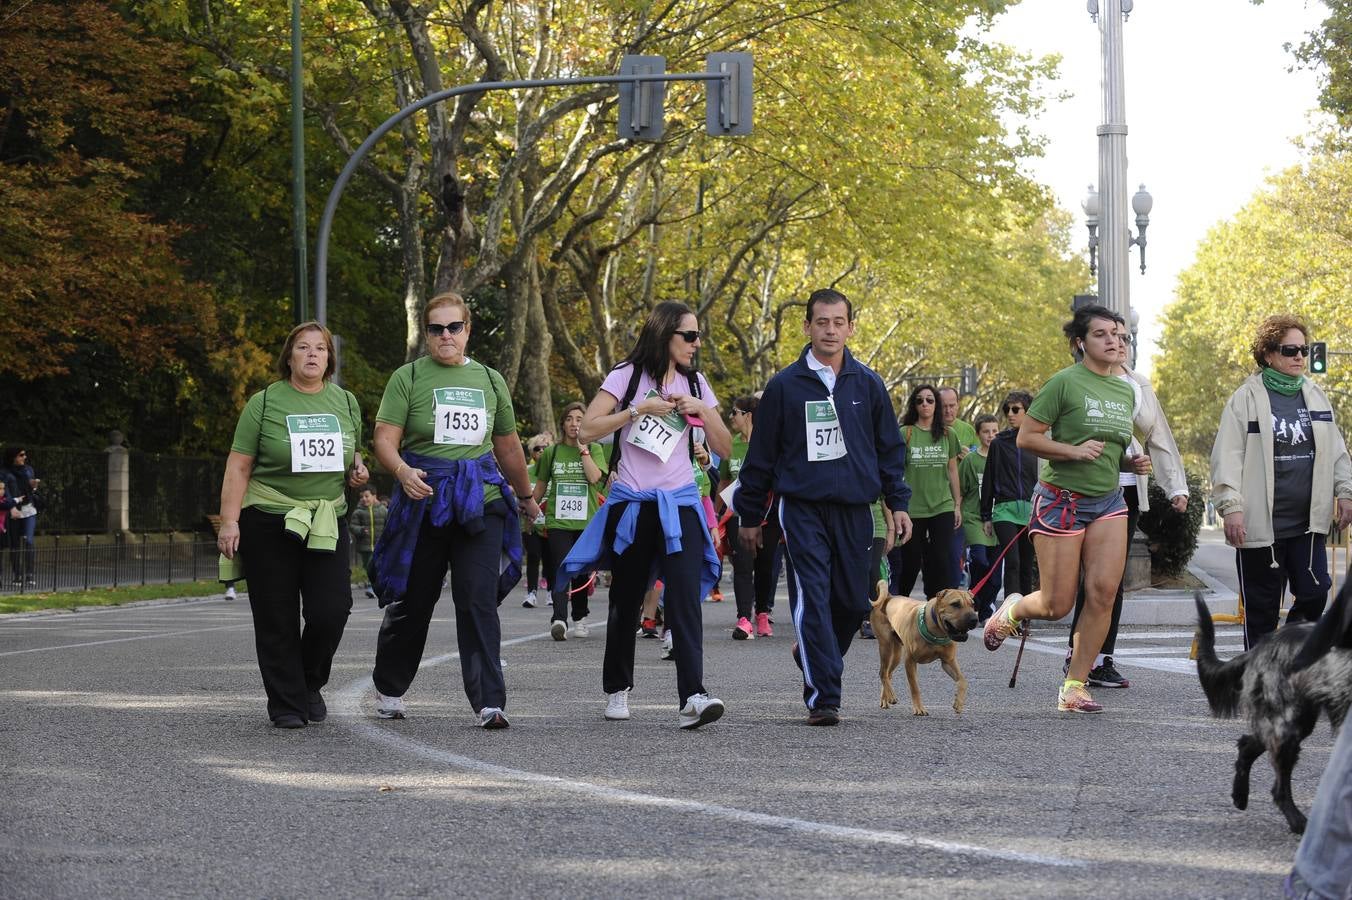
648	486
815	477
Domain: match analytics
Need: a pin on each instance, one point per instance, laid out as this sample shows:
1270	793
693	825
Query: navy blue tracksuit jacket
824	506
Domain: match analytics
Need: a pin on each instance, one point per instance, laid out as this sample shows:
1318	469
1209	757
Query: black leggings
630	579
282	574
557	544
1018	562
929	551
537	560
754	574
1110	639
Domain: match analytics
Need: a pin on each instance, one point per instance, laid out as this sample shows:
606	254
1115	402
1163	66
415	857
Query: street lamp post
1105	208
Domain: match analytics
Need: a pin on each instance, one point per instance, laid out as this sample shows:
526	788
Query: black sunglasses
1013	409
690	336
928	401
437	330
1294	349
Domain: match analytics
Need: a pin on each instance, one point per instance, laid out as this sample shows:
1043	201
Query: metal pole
301	302
331	206
1115	233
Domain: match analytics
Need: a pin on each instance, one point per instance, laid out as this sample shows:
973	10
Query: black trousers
928	552
754	573
473	562
1110	639
630	579
558	543
1265	572
288	584
1017	574
982	559
537	560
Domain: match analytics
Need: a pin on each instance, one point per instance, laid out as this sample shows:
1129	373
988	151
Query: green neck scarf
1286	385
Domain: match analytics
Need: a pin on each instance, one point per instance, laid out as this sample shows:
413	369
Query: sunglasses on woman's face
1013	409
690	336
1295	349
928	401
438	330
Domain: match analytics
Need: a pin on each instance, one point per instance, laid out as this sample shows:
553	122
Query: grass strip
15	603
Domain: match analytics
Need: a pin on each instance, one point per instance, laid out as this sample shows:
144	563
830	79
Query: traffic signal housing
1319	358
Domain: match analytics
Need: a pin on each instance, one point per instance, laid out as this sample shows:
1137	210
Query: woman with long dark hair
936	500
1081	423
653	524
753	572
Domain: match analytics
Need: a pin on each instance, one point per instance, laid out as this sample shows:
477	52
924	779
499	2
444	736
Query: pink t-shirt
640	469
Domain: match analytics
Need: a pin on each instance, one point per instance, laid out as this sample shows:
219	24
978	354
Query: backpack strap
613	463
258	442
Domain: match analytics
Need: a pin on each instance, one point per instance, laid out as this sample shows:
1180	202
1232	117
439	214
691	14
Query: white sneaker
580	628
531	600
230	592
492	717
666	644
389	707
617	705
558	630
701	709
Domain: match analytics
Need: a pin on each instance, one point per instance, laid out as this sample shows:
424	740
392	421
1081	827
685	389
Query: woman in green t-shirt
282	503
567	476
1081	424
446	429
936	501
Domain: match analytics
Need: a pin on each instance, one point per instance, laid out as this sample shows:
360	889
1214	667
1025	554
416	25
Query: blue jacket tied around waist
590	553
457	495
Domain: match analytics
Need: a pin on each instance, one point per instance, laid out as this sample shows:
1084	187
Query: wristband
585	452
401	467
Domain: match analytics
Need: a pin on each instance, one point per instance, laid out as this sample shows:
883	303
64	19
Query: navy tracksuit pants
826	550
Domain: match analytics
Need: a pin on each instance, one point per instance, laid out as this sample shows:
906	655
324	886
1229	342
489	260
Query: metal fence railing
83	562
172	493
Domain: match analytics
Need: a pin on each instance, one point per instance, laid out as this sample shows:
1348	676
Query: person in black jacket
827	445
1006	496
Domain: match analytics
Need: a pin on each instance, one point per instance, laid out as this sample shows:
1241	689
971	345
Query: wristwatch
633	414
585	451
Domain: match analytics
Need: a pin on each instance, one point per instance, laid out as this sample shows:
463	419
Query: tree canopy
146	166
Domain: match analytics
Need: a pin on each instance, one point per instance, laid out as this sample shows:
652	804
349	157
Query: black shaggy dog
1281	700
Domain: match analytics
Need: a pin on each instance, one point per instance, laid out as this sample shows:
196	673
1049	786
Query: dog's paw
1240	800
1297	821
919	711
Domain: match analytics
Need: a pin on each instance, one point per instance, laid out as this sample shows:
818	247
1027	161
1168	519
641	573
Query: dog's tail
880	595
1220	680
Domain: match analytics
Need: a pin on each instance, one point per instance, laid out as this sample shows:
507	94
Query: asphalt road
138	761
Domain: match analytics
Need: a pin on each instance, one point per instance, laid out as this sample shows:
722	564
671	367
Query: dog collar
929	636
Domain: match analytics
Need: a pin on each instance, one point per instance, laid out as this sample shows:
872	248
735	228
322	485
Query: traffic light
967	381
1319	358
641	102
727	109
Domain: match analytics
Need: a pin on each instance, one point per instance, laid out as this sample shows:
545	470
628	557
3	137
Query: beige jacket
1241	461
1153	431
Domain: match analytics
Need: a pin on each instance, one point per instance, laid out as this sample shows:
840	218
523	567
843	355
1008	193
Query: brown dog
920	633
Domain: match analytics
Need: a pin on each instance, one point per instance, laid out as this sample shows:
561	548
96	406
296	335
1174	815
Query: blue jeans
1323	867
23	553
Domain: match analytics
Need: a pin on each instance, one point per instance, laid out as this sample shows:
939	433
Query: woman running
1081	424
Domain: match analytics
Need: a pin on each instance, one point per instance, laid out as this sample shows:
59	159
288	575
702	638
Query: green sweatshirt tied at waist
313	521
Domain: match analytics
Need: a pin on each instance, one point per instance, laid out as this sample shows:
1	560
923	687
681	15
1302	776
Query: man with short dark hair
826	444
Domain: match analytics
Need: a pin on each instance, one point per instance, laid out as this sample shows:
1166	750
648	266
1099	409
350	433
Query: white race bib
570	501
659	435
316	443
824	438
461	418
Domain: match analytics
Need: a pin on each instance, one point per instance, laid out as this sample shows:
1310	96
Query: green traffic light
1319	358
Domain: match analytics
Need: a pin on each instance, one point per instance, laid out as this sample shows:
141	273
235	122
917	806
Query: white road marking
143	637
347	705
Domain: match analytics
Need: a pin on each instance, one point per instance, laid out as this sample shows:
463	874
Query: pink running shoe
999	626
742	631
1076	698
763	628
